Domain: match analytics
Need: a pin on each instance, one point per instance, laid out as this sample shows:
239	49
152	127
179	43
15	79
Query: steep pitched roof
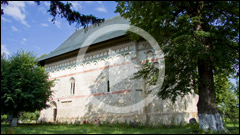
75	41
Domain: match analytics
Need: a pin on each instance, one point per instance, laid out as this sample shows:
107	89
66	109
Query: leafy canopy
187	35
24	84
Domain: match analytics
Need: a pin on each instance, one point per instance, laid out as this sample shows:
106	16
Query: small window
72	89
149	55
95	64
127	57
108	86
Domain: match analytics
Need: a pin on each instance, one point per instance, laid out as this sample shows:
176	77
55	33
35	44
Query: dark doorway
54	114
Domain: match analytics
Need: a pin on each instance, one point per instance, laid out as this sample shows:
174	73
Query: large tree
65	11
199	39
24	85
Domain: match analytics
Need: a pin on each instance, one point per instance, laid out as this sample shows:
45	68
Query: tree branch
221	12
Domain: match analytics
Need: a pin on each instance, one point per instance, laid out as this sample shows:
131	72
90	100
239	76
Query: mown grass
94	129
233	128
88	129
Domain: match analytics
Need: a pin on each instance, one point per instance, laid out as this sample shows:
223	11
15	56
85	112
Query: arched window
127	57
87	65
72	89
149	55
118	59
102	63
95	64
110	61
81	67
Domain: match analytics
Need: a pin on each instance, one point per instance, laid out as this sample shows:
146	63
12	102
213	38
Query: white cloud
44	24
30	2
37	47
43	10
101	9
100	2
5	20
23	41
46	3
16	9
15	29
76	5
93	2
57	23
89	2
4	50
17	3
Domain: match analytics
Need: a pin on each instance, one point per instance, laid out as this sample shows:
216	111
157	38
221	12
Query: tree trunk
209	118
14	120
208	115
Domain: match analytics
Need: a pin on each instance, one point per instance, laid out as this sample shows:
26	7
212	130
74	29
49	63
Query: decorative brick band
92	95
90	70
115	65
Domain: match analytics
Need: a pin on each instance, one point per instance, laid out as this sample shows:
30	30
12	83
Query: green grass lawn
233	128
94	129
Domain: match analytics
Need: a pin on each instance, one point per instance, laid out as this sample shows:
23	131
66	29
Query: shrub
29	116
3	118
195	127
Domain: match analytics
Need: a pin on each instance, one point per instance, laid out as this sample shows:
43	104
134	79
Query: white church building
93	81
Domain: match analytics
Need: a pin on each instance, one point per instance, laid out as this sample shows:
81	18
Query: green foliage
189	33
225	98
3	118
148	72
195	127
24	84
24	116
42	56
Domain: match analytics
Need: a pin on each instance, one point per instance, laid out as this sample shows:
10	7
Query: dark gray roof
75	41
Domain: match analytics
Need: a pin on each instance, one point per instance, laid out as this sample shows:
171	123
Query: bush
3	118
29	116
195	127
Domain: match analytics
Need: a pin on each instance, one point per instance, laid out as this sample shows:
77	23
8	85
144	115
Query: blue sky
26	25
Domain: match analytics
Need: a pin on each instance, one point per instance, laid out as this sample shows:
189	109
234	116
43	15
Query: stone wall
103	81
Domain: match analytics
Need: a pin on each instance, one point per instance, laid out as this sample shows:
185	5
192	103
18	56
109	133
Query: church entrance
54	107
54	114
